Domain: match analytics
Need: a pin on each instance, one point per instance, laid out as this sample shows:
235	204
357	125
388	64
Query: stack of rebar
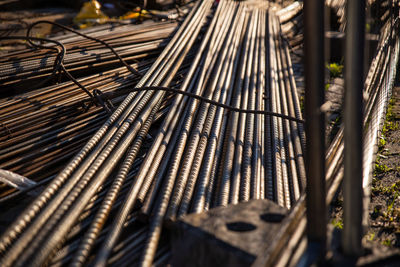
216	157
243	141
291	242
29	67
117	142
47	126
291	19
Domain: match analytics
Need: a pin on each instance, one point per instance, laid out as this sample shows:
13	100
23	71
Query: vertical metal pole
315	123
352	186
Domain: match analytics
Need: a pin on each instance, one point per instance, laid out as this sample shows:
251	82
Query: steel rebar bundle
218	157
26	68
59	206
49	125
201	156
289	245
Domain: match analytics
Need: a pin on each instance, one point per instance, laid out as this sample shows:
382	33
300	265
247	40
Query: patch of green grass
327	86
337	223
387	242
374	181
390	116
382	143
335	69
390	121
367	27
370	236
390	207
381	169
388	214
391	212
393	190
376	189
390	126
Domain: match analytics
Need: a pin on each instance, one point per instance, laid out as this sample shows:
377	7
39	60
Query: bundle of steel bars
47	126
291	19
60	205
24	69
204	154
291	242
216	157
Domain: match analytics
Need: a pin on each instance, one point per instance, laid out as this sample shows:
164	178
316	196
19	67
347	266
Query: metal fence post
353	111
315	123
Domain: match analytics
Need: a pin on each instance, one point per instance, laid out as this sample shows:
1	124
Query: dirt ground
384	210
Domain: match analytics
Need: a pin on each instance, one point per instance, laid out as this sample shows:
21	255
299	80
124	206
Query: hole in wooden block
272	217
240	226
